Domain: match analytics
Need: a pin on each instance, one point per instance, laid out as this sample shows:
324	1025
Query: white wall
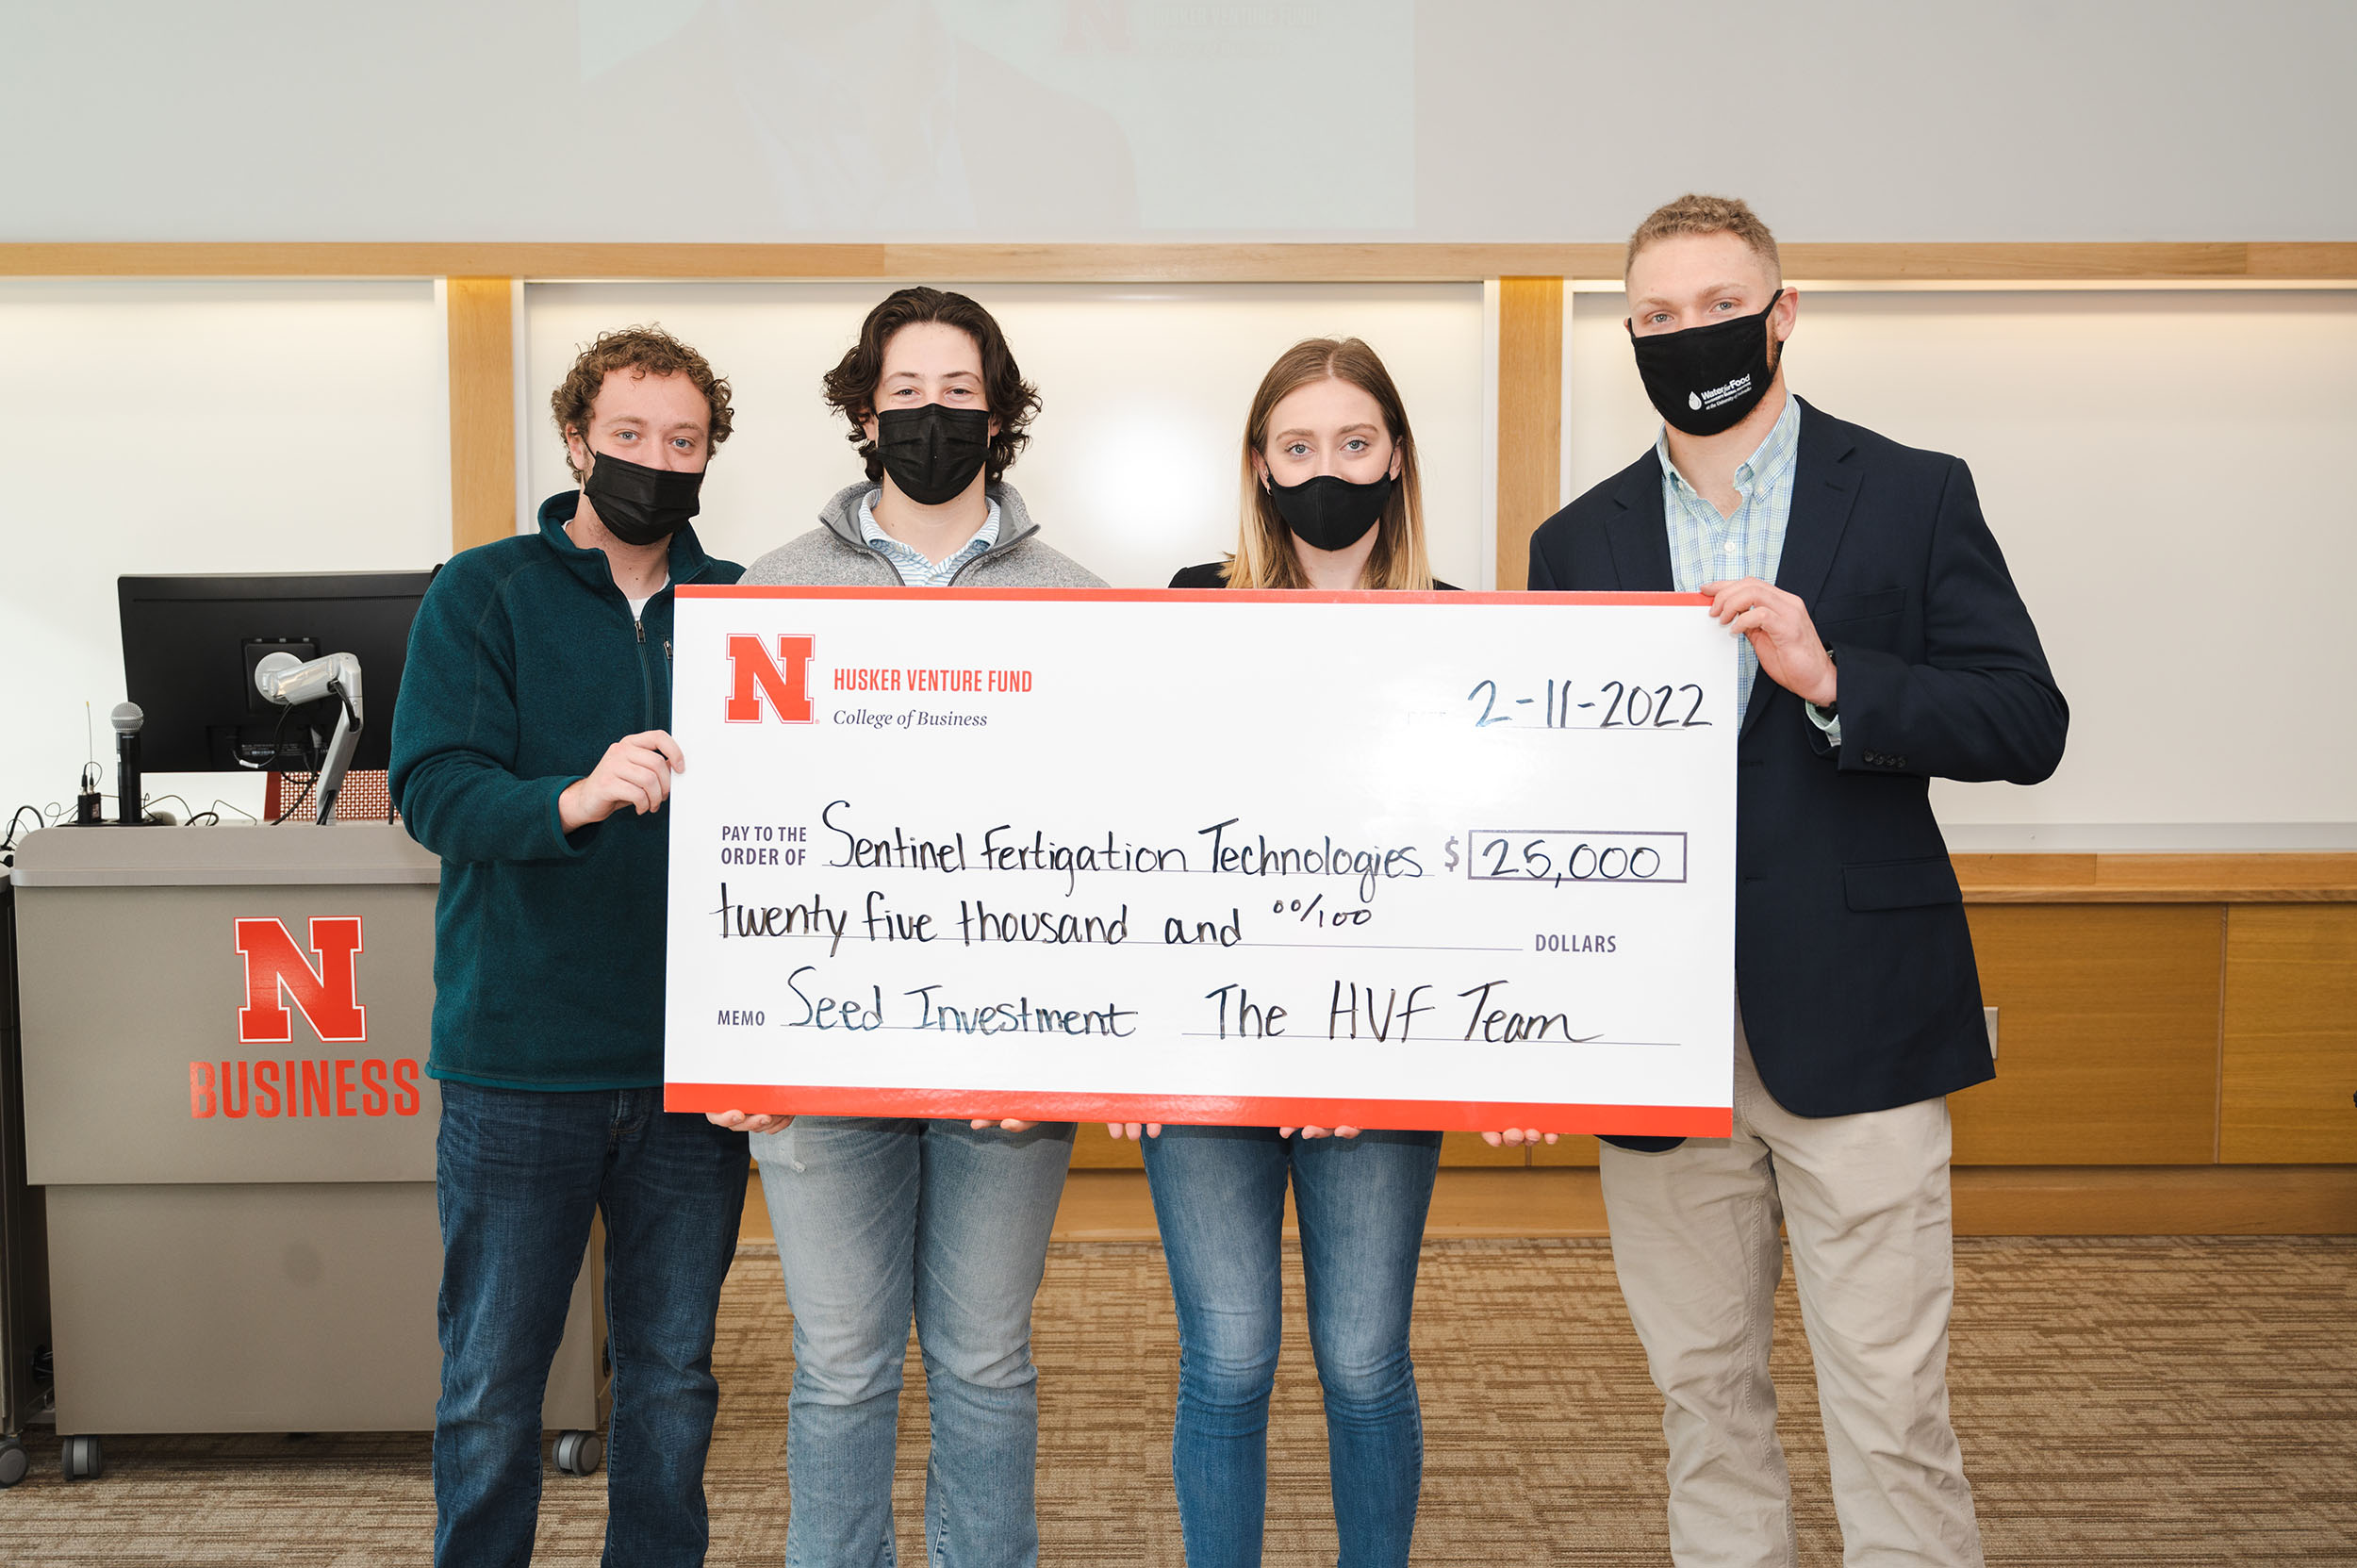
1475	120
2168	475
1133	466
176	427
2164	469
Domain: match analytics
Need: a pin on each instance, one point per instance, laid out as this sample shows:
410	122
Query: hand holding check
1790	652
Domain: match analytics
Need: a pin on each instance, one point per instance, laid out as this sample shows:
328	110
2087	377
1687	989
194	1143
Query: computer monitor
190	643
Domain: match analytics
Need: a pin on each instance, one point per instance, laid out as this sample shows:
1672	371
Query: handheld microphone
130	811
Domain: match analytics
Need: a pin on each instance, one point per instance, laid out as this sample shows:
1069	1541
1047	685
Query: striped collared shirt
1707	548
915	570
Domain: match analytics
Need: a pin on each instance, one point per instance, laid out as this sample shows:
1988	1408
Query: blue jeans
518	1176
879	1221
1219	1196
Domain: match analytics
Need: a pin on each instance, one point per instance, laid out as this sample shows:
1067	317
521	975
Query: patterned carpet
2148	1402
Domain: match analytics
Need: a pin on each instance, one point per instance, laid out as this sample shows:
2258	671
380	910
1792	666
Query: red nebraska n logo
276	968
785	682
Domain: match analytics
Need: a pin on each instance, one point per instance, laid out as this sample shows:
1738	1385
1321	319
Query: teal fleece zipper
548	952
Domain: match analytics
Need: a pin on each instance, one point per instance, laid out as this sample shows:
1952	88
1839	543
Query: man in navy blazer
1883	643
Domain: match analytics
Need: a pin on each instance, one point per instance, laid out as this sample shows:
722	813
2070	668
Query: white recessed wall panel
187	427
2168	475
1132	468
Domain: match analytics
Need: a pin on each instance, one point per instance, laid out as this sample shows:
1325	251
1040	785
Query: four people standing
1882	643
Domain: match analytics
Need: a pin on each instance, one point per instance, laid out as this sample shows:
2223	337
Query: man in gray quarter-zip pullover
882	1219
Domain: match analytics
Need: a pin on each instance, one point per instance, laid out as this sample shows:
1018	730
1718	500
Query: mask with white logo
1705	379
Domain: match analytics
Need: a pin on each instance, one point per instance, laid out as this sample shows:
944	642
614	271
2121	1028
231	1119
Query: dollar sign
1452	852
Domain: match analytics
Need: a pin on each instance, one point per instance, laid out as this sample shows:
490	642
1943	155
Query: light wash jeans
877	1220
1219	1197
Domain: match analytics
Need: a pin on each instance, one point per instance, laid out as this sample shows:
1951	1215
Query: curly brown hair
851	386
647	351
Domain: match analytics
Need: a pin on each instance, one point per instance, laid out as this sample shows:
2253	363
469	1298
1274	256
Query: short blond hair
1693	214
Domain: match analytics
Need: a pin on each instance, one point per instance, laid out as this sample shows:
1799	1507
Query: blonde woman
1331	498
1330	502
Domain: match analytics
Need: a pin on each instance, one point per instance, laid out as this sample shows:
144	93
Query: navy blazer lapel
1639	533
1826	484
1824	487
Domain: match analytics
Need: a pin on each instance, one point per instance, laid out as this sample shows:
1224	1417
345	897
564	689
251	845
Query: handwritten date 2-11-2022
1614	705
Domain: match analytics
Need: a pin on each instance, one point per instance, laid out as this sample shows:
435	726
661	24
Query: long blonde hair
1264	555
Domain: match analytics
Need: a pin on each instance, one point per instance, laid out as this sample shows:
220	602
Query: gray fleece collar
840	516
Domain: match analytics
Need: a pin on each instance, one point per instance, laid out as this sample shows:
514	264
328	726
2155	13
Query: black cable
9	843
307	785
315	754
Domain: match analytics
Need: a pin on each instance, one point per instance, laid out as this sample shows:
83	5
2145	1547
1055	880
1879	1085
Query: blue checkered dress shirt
915	570
1707	548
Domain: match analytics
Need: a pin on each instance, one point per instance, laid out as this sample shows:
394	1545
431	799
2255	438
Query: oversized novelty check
1452	861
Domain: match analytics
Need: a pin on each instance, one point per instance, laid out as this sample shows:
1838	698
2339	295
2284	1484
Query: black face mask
638	505
1707	378
1329	512
934	452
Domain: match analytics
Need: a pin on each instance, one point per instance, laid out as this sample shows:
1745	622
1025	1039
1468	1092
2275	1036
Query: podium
224	1033
23	1294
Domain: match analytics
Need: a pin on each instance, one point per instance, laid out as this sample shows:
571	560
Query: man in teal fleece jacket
531	752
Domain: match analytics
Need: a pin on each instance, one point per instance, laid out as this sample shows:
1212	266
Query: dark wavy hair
643	350
851	386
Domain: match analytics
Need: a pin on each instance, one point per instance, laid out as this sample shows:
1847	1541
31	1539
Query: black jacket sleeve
1981	705
1542	578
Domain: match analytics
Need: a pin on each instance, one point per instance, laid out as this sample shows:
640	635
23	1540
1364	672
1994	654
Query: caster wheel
13	1462
85	1461
579	1453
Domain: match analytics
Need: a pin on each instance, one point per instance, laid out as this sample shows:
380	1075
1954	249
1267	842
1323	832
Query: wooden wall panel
2108	1031
427	259
2112	1018
2156	1200
2059	262
1530	417
481	411
1093	1150
1459	1150
2289	1067
2281	876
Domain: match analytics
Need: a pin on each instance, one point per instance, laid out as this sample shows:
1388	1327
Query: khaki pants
1694	1240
